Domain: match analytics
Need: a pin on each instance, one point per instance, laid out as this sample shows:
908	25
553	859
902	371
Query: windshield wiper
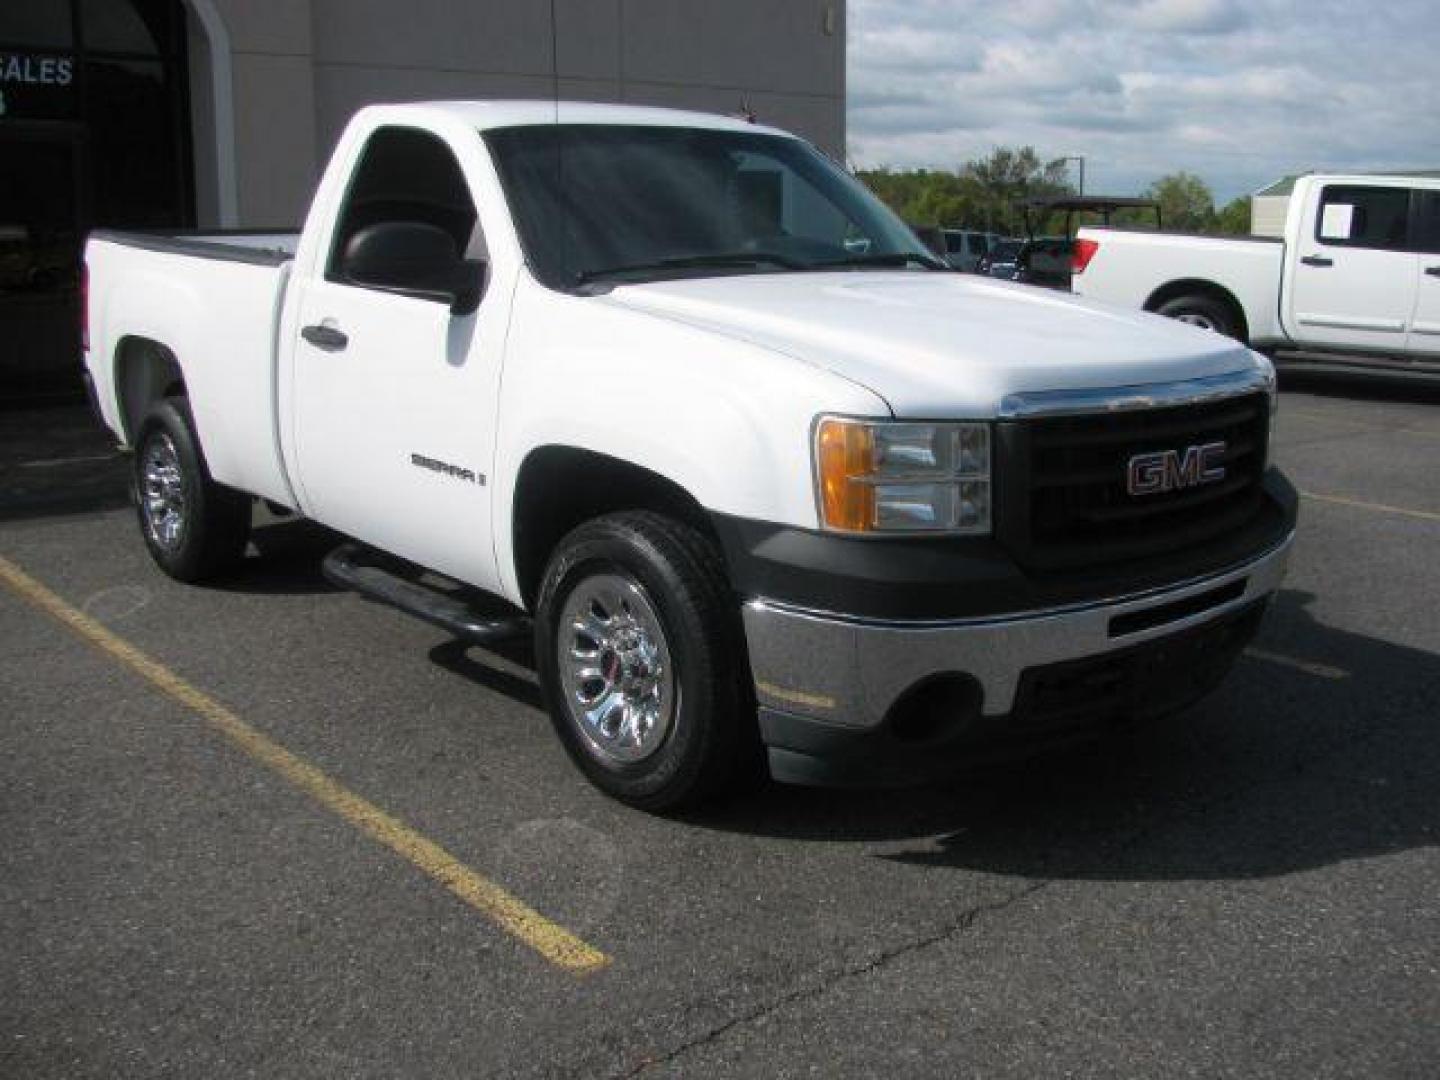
740	260
897	258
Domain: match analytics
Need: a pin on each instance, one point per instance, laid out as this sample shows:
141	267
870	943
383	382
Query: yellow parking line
1404	511
553	942
1310	667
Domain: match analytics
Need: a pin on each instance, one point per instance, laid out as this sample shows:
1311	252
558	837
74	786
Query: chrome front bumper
848	672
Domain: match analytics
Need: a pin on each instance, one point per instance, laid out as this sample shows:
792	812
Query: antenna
554	61
561	202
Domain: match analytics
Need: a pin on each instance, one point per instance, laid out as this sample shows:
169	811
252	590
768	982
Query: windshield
599	203
1006	249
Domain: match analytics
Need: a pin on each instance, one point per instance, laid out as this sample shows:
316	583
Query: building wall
302	67
1267	214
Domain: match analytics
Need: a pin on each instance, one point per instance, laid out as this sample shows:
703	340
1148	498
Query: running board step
351	566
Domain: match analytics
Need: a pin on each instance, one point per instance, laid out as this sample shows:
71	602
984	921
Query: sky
1240	92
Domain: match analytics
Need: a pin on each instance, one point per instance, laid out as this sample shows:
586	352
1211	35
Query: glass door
41	207
94	132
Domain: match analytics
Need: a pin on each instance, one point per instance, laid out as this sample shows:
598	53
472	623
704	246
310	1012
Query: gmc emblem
1171	470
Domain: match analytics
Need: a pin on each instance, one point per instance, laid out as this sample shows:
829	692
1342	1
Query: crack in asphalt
966	920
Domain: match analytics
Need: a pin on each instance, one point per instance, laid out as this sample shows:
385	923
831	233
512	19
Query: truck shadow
1322	746
284	558
1375	385
516	680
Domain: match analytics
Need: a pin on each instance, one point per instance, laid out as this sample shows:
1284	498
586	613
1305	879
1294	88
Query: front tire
641	658
194	528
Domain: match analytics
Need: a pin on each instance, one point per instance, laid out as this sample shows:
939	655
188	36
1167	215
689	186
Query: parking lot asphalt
1249	889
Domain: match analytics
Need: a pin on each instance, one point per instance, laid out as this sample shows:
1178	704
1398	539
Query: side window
406	175
1427	222
1363	217
777	201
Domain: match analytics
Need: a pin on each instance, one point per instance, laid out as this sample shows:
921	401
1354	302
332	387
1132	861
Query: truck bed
262	247
216	299
1137	268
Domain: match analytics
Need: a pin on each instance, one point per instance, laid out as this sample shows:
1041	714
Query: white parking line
1310	667
1381	508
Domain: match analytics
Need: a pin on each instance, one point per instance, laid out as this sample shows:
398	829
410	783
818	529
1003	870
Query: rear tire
194	528
1205	312
641	658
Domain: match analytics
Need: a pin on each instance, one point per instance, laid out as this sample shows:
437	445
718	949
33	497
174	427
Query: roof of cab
485	115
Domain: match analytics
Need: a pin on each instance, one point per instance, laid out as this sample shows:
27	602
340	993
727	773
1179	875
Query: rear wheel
193	527
1206	312
640	655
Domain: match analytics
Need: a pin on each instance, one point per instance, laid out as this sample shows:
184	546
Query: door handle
329	338
1317	260
1433	271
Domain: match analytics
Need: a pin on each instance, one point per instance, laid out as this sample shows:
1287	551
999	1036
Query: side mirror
468	287
416	259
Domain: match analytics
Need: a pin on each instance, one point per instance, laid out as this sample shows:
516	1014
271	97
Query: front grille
1064	500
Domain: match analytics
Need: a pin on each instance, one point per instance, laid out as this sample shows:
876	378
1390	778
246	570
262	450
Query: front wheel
193	527
641	659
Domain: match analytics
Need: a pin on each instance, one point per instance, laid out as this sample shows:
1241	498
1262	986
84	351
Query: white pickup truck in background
1357	273
677	397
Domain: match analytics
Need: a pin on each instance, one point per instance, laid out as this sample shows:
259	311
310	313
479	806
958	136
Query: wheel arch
145	371
558	487
1173	290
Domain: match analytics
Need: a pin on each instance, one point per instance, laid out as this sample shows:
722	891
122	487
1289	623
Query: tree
1009	176
1185	201
982	194
986	194
1233	219
924	197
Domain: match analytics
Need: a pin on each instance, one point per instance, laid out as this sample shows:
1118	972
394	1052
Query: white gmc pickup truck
1357	273
765	481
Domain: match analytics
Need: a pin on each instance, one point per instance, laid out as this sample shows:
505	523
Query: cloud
1184	16
1237	92
918	49
1012	66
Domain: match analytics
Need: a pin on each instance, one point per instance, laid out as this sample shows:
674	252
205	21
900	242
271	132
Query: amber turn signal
845	456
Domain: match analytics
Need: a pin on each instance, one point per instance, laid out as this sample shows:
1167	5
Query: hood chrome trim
1130	398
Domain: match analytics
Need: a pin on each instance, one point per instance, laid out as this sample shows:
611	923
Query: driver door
1352	275
395	395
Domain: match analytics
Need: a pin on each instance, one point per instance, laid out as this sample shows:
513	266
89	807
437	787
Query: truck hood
936	345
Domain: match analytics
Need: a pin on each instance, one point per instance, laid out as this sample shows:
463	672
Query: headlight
874	476
1272	383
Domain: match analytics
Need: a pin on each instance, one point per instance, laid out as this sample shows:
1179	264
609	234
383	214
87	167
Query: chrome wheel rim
615	669
1192	318
162	492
